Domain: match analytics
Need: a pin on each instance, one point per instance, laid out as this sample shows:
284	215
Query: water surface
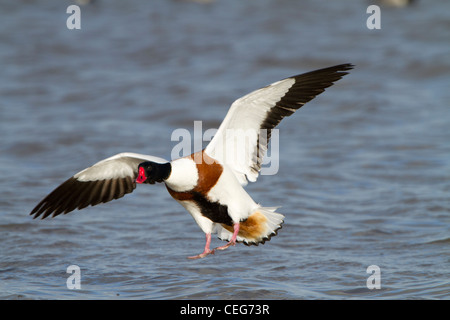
364	174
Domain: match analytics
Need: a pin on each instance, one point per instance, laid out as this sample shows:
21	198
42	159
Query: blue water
364	175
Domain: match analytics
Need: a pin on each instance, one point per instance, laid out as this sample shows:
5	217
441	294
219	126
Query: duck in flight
209	183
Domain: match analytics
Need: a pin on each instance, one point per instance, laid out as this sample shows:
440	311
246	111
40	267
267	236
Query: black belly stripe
214	211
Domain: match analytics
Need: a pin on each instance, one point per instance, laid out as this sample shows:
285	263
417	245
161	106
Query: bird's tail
259	227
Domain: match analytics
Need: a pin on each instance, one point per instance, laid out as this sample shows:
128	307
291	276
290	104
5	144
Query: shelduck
209	183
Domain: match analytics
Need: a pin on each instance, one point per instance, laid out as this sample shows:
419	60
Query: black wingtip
330	74
340	68
346	67
35	212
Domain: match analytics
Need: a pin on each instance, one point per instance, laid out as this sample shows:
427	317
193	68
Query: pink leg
206	251
233	238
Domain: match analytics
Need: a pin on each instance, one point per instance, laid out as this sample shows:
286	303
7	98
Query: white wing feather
118	166
242	127
242	139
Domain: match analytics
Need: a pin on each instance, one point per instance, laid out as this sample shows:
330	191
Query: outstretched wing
106	180
242	139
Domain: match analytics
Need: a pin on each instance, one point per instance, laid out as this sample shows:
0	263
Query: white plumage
244	120
118	166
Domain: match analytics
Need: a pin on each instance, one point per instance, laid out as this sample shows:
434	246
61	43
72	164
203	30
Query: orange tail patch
252	229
